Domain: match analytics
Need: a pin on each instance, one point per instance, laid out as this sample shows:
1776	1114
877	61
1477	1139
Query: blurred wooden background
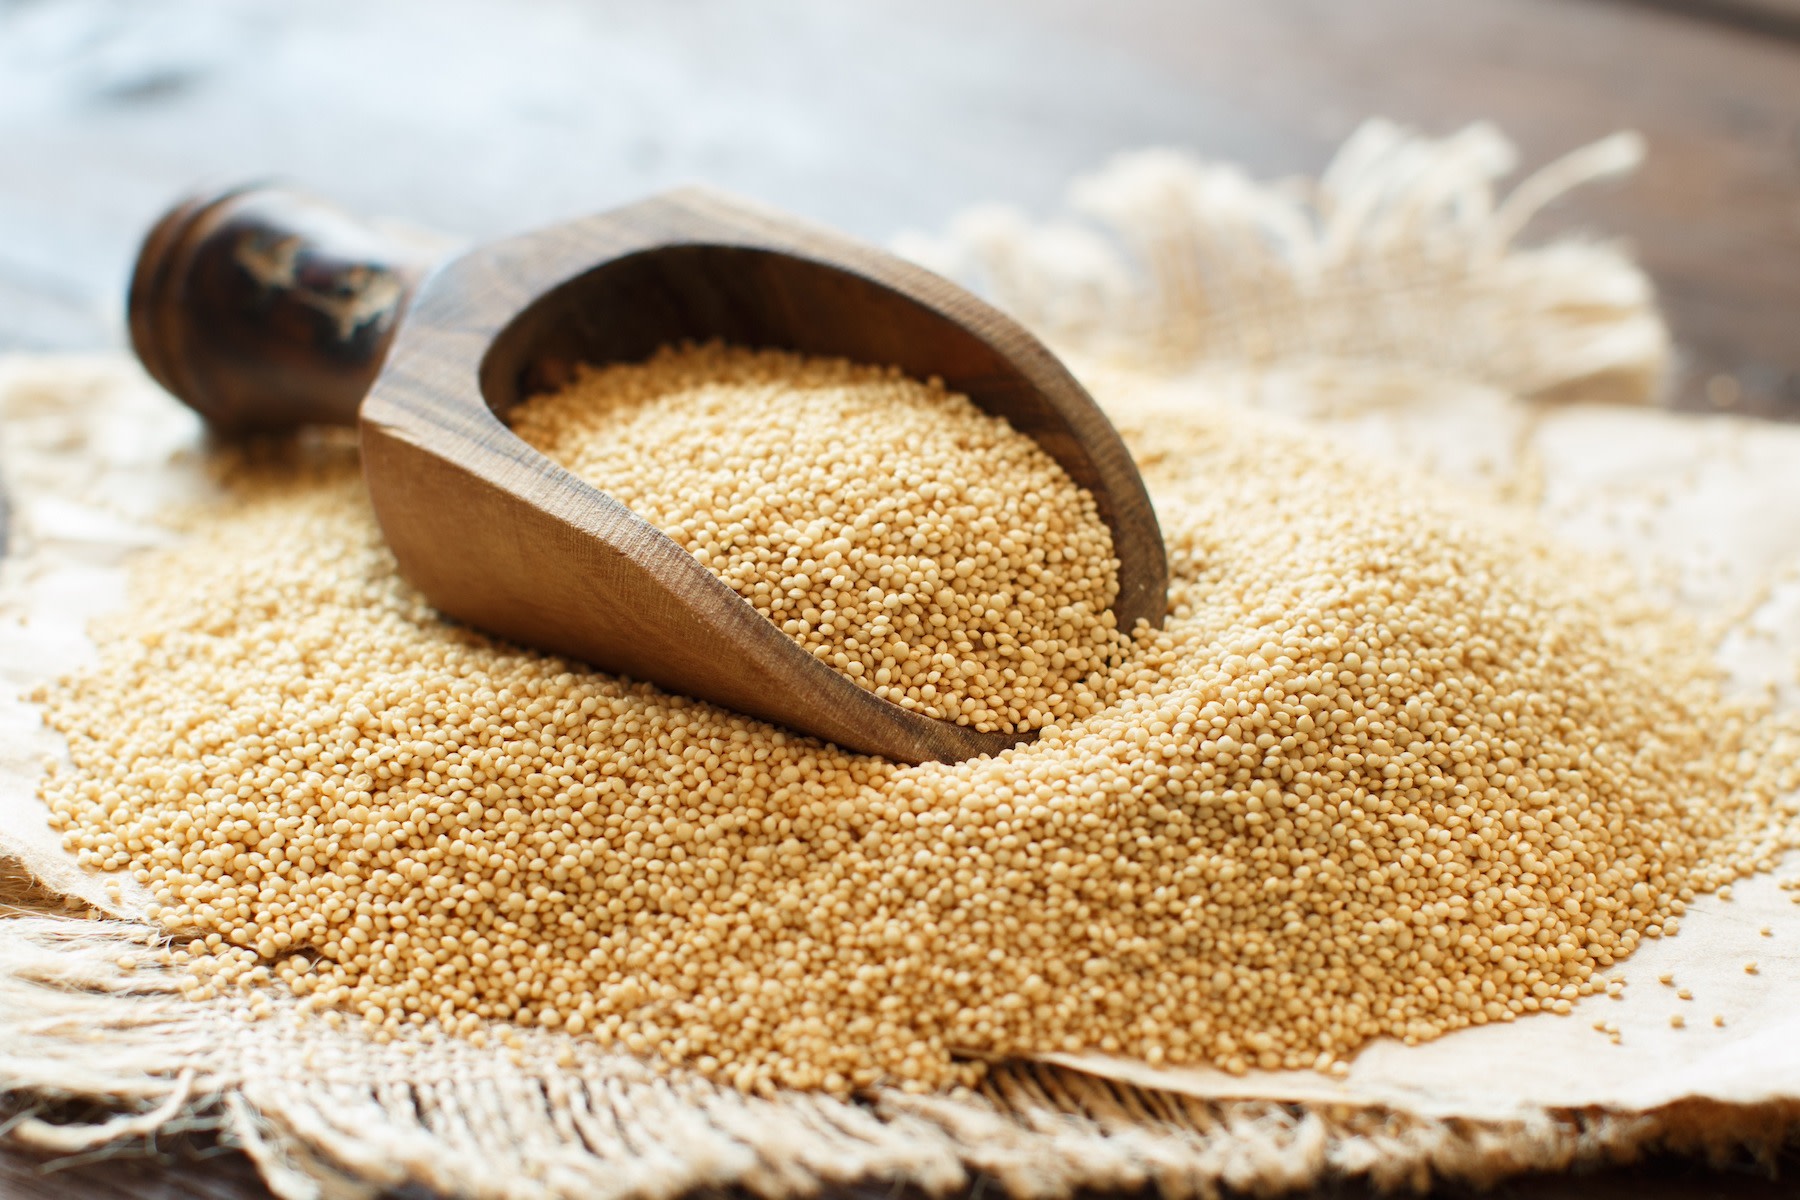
480	117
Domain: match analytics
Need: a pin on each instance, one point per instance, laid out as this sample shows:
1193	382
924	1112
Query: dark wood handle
263	308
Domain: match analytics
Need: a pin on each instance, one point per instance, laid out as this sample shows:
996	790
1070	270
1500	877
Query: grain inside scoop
263	310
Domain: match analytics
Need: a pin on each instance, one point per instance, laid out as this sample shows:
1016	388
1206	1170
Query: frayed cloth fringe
326	1111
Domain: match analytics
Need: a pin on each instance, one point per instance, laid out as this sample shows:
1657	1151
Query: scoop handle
263	308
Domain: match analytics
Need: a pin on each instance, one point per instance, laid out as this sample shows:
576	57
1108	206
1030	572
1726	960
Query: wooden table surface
478	117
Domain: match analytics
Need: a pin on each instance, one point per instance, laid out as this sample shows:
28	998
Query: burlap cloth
1386	306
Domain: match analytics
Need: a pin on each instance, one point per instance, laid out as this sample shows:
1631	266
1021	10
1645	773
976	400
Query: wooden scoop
264	309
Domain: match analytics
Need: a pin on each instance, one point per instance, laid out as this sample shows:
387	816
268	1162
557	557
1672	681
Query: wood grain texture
198	1170
208	1172
495	534
1774	18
